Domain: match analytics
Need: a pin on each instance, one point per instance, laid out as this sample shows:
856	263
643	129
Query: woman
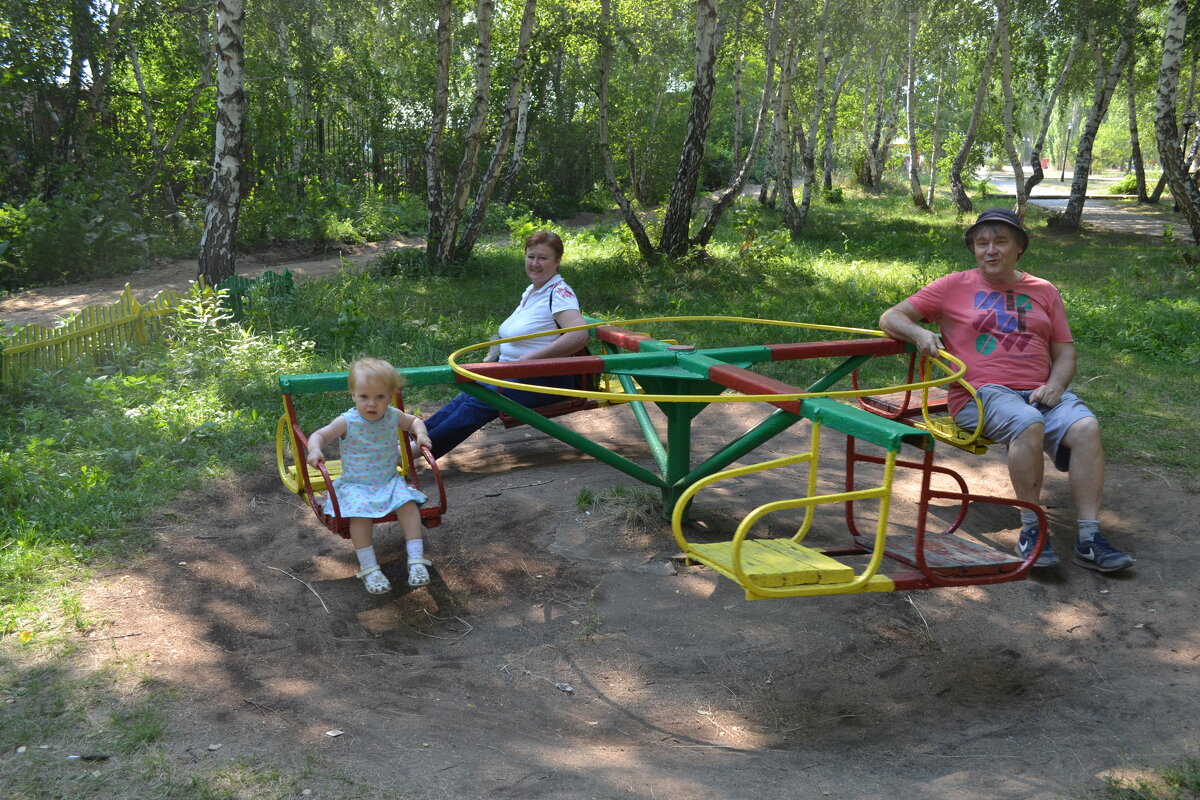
547	304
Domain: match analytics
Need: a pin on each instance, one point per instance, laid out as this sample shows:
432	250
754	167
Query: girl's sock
416	548
1028	518
1088	528
366	557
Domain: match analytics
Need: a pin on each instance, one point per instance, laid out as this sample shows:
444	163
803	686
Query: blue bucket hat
1002	216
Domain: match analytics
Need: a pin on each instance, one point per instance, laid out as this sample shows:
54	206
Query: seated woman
547	304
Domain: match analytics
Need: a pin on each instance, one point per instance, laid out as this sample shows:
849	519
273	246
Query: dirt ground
679	687
249	613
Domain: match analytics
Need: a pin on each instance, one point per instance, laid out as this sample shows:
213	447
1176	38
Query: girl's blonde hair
374	369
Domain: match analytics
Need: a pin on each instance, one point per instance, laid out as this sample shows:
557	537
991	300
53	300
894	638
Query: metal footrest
951	555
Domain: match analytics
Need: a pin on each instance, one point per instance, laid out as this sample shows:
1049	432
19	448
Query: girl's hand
423	440
315	456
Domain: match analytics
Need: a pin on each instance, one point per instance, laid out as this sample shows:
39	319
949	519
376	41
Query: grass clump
1179	781
634	511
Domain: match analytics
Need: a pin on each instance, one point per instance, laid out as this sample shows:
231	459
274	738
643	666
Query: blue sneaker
1096	553
1028	540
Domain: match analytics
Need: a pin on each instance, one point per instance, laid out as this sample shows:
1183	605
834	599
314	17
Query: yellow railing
87	335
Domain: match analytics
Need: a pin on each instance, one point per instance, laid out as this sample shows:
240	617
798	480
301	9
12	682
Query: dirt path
45	304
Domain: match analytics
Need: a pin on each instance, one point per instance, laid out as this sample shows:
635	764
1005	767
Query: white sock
366	557
1088	528
416	548
1028	518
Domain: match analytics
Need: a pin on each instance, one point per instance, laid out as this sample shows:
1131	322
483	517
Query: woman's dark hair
545	237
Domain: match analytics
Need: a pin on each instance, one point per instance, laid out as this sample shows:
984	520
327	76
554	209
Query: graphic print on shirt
1000	321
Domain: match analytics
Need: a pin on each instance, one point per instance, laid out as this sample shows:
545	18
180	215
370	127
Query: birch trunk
957	190
1010	147
910	106
1166	133
891	123
218	257
435	200
1035	156
298	115
739	110
1105	85
678	216
1135	144
760	125
935	138
871	179
808	161
507	125
784	156
839	84
446	251
518	156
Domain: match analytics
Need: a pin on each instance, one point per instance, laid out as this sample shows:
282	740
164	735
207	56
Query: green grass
86	455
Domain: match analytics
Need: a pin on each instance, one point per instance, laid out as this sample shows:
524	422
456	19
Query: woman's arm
568	344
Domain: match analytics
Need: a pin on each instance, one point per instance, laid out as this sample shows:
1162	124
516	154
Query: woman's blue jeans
464	415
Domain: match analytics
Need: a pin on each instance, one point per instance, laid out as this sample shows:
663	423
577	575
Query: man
1011	331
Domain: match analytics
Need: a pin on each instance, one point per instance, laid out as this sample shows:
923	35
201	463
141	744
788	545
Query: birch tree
731	192
914	153
218	257
1035	156
1010	148
1105	83
508	124
1166	132
957	190
678	216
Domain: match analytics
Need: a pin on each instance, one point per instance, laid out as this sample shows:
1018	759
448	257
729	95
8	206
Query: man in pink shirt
1011	331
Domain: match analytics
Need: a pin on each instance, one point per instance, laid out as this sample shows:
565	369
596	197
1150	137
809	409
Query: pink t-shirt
1002	332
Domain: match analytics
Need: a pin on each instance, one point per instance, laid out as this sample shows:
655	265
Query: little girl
369	485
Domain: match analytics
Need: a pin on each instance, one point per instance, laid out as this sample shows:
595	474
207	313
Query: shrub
1127	185
86	228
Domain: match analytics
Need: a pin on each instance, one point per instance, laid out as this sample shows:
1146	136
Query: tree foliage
112	107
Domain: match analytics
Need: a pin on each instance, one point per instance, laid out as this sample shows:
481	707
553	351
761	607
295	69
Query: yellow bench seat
773	563
295	482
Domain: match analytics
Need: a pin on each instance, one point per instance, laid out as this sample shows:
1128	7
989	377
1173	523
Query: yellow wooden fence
85	336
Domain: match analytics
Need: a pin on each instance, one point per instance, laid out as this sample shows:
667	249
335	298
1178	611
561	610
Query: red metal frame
927	575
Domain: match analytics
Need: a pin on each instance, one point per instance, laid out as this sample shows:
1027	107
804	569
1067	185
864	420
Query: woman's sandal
418	575
374	579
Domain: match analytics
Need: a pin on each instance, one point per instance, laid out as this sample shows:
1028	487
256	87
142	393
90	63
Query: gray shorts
1008	412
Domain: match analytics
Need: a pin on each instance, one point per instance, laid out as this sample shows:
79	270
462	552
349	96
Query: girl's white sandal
418	575
374	579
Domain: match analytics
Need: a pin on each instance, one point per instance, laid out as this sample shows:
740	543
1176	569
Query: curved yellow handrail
613	397
930	425
860	580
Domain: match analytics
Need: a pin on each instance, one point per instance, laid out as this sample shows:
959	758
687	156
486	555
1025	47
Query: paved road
1051	194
